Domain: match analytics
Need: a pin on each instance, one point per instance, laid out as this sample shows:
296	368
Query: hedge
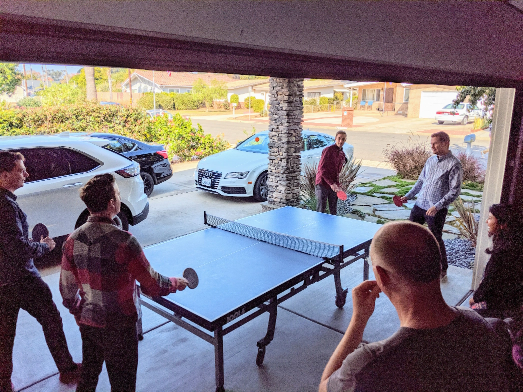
170	101
181	140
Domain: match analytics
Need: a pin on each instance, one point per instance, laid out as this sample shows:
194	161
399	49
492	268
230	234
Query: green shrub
408	160
249	102
29	102
163	101
187	101
324	101
311	101
338	96
234	98
181	139
258	105
226	105
330	101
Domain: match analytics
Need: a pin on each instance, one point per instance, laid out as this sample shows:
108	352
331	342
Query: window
451	106
314	95
129	145
44	163
256	143
315	141
371	94
115	145
406	94
174	90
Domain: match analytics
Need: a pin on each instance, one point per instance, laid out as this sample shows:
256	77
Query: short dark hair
8	160
442	136
341	132
98	192
410	250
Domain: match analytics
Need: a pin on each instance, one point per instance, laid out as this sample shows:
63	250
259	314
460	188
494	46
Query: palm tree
90	85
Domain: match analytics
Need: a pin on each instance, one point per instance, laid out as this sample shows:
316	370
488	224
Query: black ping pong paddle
192	278
38	231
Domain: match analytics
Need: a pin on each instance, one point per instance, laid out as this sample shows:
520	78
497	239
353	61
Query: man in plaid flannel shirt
102	263
438	185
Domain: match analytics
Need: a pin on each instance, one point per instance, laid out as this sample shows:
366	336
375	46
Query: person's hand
364	298
49	241
404	199
471	301
336	188
431	211
178	284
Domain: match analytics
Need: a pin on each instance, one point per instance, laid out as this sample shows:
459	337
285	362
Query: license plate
206	181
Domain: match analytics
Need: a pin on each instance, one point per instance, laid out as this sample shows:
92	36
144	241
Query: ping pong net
310	247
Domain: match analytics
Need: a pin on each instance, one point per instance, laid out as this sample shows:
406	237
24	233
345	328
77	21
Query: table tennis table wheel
261	356
140	337
342	298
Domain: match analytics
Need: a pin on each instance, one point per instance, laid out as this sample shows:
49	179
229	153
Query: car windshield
256	143
451	106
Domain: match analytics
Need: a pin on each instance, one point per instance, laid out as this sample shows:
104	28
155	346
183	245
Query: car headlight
238	175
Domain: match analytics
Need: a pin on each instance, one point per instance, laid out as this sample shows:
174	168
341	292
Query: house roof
188	79
245	83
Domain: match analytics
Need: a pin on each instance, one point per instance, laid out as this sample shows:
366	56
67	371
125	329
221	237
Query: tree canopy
485	95
62	94
9	77
208	94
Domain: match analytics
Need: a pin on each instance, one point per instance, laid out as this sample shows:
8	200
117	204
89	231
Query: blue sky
71	69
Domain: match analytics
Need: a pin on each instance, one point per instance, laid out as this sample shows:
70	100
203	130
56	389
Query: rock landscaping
374	204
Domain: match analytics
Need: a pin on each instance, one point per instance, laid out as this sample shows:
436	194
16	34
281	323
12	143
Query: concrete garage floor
308	327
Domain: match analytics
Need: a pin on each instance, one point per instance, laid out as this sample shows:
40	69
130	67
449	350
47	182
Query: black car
154	163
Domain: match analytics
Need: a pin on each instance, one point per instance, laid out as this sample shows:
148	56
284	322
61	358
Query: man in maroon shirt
328	176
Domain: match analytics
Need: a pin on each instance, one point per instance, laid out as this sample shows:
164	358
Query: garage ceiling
441	42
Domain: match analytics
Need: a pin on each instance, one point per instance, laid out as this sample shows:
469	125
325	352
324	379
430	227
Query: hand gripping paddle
341	195
192	277
397	200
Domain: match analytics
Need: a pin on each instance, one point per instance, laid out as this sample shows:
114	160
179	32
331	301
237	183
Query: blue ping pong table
242	277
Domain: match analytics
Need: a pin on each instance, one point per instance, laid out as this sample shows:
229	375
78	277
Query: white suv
59	166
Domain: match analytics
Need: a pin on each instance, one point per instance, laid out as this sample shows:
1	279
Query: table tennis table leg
218	359
273	313
341	294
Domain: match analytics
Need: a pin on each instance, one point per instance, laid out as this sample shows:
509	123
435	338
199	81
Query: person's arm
13	242
455	180
363	298
417	186
493	280
151	282
69	277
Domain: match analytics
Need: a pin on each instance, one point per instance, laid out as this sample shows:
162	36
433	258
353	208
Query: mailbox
347	117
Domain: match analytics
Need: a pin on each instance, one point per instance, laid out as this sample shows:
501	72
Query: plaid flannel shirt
104	262
439	183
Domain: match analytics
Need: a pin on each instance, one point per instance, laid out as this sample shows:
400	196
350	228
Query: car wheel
465	120
125	221
148	183
261	189
440	122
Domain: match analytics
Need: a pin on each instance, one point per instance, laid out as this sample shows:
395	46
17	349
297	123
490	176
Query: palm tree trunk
90	85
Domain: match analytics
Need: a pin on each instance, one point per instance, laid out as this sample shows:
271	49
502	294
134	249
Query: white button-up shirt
439	183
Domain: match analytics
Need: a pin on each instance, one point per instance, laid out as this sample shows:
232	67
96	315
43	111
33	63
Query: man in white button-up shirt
438	185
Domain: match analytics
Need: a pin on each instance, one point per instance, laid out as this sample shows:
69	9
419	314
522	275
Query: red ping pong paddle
397	200
192	278
341	195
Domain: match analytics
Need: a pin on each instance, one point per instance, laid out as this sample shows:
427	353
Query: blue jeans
34	296
435	224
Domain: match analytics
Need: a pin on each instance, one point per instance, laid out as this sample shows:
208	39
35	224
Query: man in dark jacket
328	176
21	286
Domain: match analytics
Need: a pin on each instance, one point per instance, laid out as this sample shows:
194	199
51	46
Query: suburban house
33	86
245	88
312	89
170	82
410	100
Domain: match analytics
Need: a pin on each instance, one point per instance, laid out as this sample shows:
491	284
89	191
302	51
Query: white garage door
431	101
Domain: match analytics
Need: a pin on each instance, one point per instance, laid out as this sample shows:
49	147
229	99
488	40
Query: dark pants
118	347
435	224
34	296
324	193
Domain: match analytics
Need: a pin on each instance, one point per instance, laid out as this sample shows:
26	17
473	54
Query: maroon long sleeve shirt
331	162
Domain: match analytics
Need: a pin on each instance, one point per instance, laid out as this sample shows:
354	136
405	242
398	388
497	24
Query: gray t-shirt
469	354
